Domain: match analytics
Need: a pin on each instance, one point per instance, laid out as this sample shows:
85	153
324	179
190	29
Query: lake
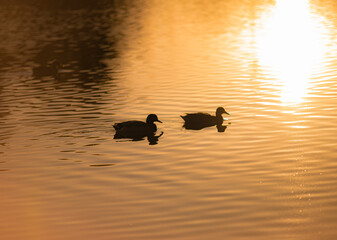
268	173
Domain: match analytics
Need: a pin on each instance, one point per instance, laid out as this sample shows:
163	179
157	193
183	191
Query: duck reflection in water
138	130
198	121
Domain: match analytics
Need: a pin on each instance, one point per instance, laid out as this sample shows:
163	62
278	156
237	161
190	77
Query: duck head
151	118
221	110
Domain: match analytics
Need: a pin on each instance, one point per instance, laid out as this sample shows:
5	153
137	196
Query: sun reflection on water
291	43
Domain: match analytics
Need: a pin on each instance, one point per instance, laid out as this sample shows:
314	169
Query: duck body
200	120
135	125
136	129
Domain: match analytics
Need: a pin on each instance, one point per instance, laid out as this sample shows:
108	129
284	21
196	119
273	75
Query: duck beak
159	121
226	112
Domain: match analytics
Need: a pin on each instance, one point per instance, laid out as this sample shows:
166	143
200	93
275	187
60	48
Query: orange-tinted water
272	173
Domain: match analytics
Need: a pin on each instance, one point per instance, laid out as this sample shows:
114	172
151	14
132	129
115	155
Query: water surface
270	175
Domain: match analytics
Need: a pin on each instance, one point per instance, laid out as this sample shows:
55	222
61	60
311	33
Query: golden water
272	173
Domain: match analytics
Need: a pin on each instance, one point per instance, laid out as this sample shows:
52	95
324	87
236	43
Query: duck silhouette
138	130
200	120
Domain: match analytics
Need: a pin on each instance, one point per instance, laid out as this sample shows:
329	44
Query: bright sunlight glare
291	43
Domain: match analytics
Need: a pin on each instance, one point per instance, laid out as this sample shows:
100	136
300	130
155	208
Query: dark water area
70	70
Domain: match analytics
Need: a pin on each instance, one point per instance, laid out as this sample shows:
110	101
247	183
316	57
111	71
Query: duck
136	129
200	120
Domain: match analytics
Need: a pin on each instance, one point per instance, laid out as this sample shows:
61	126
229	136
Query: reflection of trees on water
5	129
80	44
79	34
83	38
66	4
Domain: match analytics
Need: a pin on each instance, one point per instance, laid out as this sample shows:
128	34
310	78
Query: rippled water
270	175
